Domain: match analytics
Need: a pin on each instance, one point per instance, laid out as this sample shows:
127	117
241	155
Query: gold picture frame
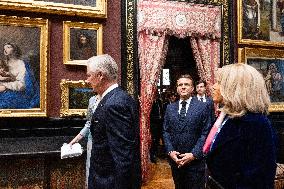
81	41
25	92
259	23
90	8
75	97
270	63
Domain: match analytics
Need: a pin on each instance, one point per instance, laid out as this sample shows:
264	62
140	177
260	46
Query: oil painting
81	42
90	8
271	65
261	22
75	97
23	65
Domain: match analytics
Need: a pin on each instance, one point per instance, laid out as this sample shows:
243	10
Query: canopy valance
180	19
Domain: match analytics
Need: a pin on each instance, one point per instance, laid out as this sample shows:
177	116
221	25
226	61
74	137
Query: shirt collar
109	89
198	96
187	100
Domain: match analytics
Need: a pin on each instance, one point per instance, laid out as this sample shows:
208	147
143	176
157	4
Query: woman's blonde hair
243	89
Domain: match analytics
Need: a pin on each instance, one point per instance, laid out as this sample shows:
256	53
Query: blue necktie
183	109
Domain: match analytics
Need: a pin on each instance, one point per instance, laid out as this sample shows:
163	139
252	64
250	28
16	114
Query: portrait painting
90	8
75	97
23	65
81	42
261	22
271	66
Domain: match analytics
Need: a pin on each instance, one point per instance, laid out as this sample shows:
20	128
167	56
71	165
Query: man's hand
2	88
185	158
174	155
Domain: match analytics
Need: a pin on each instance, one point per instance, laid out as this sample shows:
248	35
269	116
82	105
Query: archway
201	23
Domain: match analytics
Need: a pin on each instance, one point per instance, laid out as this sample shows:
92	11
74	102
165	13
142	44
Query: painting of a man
83	44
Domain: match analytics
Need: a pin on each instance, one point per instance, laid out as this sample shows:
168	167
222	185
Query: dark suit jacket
189	135
210	104
243	154
115	156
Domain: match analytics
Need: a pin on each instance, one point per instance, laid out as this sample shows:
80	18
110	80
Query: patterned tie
201	99
183	109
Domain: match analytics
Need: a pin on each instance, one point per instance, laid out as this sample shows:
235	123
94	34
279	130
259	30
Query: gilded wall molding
131	14
30	35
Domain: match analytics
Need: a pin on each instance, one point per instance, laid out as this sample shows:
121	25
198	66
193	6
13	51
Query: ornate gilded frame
12	25
267	55
129	47
98	10
79	27
66	85
256	40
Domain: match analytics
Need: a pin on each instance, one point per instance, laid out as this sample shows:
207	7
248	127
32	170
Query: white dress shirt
187	104
203	97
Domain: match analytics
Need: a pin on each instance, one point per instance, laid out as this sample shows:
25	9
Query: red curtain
207	56
152	52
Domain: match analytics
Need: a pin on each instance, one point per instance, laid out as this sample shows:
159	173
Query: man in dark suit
156	127
115	155
186	125
201	96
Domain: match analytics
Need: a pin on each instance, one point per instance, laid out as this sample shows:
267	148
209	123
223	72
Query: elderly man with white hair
115	156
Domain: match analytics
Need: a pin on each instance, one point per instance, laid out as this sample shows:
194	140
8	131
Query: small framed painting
75	97
81	41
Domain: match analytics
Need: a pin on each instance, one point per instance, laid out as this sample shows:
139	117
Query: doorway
179	61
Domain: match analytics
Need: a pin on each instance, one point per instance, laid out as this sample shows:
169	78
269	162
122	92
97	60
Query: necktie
183	109
201	99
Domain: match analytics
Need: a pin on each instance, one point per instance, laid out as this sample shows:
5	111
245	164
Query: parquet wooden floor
160	177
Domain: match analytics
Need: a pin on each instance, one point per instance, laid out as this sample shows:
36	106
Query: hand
2	88
76	139
185	158
174	155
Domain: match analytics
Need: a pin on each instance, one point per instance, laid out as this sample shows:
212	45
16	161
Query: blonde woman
241	153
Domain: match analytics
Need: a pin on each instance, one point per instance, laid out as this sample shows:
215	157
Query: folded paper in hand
68	151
